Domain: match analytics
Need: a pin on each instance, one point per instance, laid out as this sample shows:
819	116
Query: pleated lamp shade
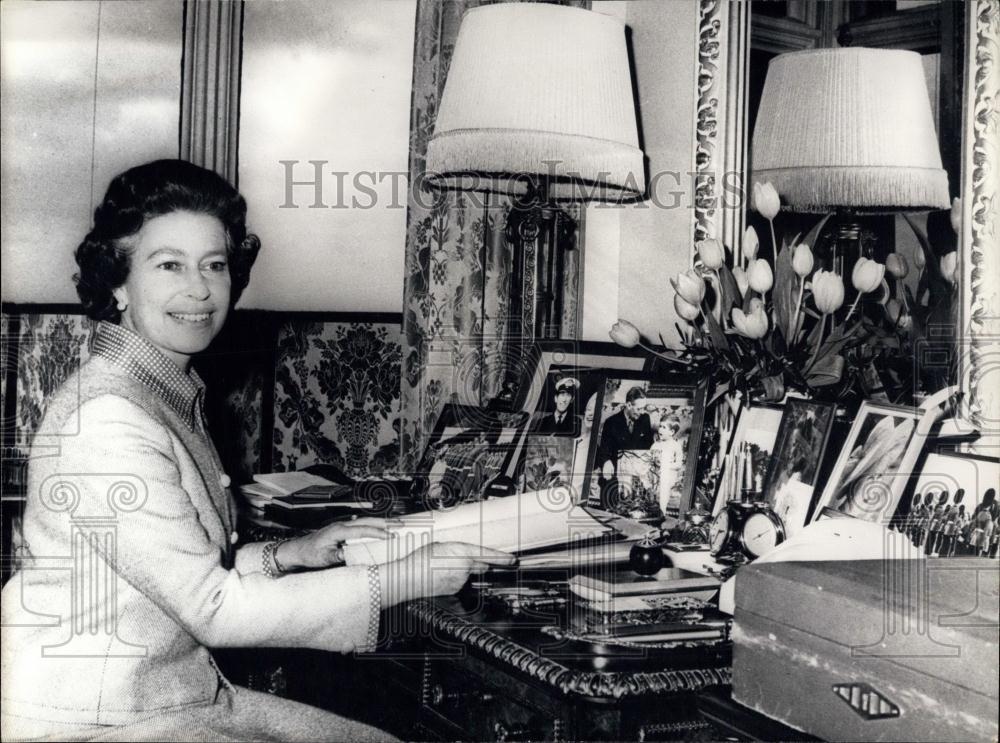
849	128
537	89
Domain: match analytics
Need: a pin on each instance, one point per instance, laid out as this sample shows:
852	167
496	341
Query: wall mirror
958	43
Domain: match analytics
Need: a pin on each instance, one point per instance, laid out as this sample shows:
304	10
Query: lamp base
540	235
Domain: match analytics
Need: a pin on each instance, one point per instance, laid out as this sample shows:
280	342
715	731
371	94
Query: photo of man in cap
562	421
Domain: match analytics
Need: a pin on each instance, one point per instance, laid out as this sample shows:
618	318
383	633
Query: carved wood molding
720	122
917	29
210	84
780	35
551	673
979	356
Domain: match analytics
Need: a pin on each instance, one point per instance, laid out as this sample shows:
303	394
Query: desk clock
745	530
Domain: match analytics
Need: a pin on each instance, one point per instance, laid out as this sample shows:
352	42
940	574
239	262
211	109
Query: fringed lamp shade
538	90
849	128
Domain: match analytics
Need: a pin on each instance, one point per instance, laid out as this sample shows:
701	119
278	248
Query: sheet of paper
580	557
289	482
512	524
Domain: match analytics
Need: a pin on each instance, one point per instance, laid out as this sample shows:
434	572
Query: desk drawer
466	698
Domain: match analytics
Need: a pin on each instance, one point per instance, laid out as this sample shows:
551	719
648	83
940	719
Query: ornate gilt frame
979	244
720	150
720	124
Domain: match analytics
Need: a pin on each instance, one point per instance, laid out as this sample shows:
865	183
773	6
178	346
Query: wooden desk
489	677
454	668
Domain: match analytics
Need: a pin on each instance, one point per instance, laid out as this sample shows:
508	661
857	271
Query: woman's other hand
323	548
437	569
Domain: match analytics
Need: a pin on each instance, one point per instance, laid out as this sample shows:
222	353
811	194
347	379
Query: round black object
646	557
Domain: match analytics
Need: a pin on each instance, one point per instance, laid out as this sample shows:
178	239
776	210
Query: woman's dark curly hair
148	191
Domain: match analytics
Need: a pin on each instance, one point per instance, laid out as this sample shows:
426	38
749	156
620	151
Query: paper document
579	557
288	482
512	524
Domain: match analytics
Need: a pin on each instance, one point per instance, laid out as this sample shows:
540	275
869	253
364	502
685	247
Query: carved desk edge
594	684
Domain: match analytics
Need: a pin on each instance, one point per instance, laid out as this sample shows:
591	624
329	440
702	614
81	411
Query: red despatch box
871	650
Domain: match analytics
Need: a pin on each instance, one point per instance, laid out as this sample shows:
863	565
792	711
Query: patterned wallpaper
336	396
49	349
335	389
236	423
7	356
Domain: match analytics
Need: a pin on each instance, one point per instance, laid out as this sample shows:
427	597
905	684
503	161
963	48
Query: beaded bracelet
375	607
269	562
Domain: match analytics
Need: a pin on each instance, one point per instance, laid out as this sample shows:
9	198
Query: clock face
762	532
718	532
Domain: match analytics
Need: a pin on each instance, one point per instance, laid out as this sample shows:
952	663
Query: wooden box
871	650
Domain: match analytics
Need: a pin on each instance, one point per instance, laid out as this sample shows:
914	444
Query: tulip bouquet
924	317
761	329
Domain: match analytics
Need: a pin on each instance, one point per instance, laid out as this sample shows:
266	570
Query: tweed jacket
131	569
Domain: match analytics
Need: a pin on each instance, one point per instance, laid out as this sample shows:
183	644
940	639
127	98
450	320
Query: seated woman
132	568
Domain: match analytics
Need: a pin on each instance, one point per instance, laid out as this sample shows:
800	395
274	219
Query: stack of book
624	590
671	608
300	499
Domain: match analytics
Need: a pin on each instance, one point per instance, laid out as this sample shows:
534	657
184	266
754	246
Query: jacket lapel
211	499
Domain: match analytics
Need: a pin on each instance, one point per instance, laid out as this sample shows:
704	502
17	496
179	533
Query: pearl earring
122	305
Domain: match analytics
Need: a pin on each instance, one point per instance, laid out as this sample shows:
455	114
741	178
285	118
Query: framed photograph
553	450
548	462
745	463
796	460
643	455
567	401
951	507
468	448
546	354
874	465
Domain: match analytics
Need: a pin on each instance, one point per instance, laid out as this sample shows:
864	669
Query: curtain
458	264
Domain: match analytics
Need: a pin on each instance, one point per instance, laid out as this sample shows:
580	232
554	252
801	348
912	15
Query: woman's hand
437	569
324	548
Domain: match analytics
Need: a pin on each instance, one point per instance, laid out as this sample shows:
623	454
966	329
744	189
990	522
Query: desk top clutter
612	602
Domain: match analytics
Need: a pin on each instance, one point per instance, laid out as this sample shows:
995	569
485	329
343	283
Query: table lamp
537	105
849	131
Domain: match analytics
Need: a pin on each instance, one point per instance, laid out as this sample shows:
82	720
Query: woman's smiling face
177	291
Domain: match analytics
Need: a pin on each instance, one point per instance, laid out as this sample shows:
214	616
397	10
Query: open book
513	523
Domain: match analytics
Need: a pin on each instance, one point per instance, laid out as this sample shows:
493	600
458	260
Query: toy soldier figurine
935	525
948	531
923	519
982	531
951	525
995	535
919	520
961	543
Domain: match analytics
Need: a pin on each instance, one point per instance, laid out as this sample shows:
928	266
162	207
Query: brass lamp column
538	105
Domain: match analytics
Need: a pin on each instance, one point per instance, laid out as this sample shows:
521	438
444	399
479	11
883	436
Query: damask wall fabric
458	264
335	390
50	347
40	351
8	349
336	396
238	422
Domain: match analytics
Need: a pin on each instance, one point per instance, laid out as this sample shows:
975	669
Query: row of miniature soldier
940	524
